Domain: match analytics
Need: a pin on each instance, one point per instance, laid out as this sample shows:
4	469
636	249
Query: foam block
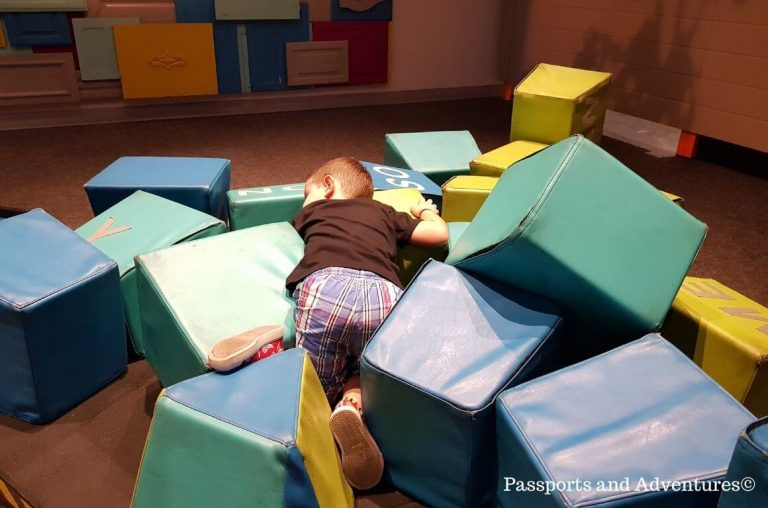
726	333
62	336
265	205
464	195
432	371
196	293
748	469
640	412
574	224
495	162
256	437
410	258
141	223
196	182
439	155
552	103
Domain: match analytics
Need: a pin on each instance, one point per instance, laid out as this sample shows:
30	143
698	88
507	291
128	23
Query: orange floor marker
687	145
509	91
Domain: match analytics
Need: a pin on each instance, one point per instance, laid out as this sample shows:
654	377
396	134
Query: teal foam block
196	293
440	155
141	223
574	224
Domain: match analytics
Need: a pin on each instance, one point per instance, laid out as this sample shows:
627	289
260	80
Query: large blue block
62	335
640	413
431	374
748	470
199	183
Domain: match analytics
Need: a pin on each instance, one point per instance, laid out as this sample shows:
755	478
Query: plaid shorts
337	311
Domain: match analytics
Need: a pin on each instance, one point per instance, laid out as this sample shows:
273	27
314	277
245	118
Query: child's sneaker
246	347
361	459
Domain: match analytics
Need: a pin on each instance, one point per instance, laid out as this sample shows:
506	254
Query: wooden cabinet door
166	60
96	46
266	49
148	11
239	10
42	5
38	29
316	63
368	47
37	79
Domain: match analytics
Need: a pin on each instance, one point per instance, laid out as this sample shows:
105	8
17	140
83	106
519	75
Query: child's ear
330	186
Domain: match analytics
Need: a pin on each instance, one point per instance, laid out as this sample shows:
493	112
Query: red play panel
368	47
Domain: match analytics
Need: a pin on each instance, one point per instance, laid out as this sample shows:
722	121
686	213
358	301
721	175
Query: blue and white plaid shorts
337	311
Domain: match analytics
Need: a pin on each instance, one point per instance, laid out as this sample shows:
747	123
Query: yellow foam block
553	103
166	60
495	162
464	195
409	258
675	199
726	333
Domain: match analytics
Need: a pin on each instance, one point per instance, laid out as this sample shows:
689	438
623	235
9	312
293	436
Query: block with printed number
141	223
639	414
725	333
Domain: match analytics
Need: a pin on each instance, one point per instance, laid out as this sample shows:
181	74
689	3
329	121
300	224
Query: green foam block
194	294
141	223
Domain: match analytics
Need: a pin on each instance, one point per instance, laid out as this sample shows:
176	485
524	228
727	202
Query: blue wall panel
266	49
227	56
195	11
38	29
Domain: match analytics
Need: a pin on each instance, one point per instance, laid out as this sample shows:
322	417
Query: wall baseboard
113	111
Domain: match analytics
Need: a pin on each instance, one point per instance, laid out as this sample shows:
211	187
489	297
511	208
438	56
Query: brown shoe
361	459
234	351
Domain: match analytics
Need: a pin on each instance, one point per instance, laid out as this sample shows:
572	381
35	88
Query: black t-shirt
357	233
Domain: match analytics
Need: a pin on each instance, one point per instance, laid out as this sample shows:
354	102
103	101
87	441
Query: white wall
444	43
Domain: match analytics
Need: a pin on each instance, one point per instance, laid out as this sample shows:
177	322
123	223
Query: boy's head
340	178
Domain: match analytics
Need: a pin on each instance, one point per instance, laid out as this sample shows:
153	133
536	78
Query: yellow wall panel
166	60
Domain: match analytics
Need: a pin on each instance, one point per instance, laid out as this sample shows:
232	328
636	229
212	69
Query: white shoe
230	353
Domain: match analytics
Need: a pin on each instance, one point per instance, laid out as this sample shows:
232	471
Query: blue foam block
62	335
639	413
431	374
199	183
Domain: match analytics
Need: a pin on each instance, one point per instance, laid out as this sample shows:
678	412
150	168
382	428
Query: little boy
344	287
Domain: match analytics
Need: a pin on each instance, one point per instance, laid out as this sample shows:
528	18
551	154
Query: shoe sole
230	353
361	459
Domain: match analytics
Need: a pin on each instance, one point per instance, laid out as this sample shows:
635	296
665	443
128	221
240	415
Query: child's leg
361	459
324	307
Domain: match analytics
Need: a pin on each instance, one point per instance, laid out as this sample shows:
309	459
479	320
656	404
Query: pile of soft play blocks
524	355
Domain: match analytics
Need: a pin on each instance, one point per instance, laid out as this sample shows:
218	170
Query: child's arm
432	231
